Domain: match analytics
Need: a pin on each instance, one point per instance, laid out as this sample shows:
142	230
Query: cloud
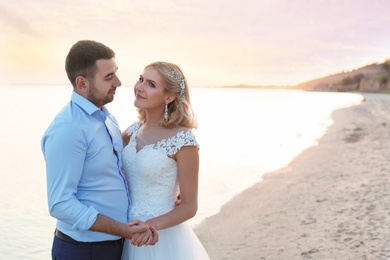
12	23
218	42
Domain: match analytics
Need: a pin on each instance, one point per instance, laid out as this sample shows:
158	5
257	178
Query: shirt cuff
87	220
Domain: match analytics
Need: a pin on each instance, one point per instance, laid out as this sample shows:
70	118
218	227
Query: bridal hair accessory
166	112
173	74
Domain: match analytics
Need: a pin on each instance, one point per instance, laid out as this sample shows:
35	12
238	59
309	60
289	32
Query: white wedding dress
153	183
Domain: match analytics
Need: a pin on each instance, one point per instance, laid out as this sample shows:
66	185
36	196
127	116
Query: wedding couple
122	195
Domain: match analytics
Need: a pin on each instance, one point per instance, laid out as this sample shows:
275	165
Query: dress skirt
175	243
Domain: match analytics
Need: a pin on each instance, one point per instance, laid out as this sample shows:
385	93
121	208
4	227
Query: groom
82	147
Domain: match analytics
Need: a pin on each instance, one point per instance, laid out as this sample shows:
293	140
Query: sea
243	134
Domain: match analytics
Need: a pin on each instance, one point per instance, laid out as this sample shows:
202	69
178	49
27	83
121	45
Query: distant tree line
383	77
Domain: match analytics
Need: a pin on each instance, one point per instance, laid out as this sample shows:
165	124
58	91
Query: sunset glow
217	43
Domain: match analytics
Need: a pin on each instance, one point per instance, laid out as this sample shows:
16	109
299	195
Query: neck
150	125
152	120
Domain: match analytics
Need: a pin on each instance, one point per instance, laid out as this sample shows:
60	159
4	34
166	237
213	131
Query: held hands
144	234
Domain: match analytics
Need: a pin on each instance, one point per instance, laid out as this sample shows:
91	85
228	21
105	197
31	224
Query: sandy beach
330	202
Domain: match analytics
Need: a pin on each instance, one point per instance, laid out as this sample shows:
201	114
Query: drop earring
166	112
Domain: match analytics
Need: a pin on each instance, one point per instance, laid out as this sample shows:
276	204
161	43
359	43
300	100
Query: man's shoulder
70	117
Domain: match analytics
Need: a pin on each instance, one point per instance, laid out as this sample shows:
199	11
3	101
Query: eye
152	85
140	79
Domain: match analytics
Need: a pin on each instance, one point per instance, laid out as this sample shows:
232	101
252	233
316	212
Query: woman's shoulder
182	129
185	136
133	127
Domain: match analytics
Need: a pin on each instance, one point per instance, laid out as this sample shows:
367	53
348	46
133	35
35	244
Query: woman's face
149	90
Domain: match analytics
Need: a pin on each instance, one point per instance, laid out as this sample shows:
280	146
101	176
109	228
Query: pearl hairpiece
173	74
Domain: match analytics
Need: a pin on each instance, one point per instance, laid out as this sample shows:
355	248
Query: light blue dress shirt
84	175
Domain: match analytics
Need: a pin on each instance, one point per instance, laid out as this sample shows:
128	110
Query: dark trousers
63	250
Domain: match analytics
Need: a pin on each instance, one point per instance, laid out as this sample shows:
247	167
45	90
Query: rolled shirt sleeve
65	153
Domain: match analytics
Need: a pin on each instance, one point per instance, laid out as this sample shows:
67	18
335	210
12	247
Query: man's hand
138	232
148	236
178	200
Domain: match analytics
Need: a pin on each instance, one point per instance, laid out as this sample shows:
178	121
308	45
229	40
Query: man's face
102	89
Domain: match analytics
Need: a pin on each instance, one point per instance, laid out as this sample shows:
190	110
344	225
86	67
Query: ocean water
243	134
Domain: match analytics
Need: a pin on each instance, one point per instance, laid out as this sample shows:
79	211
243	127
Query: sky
216	43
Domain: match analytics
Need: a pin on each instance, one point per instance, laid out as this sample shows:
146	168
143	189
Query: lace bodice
151	174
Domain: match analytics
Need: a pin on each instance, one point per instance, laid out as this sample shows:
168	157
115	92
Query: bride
160	161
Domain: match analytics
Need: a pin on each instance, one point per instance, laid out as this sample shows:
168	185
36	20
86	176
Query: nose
117	81
138	86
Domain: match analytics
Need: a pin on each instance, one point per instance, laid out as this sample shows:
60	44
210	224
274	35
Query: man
87	191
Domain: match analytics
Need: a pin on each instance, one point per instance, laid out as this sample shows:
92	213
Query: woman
160	160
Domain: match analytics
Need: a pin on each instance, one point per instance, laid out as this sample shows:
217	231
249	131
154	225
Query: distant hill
370	78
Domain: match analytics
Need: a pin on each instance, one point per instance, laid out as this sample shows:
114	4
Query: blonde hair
180	112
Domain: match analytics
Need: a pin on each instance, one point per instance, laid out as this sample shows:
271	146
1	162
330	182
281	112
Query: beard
98	98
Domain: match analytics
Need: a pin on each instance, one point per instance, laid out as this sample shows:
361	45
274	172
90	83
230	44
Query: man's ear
82	84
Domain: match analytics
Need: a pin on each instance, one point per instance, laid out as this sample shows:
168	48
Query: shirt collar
84	103
88	106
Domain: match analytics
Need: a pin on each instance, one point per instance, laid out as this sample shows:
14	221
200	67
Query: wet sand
330	202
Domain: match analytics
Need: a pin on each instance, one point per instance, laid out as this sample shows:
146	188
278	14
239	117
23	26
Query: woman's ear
170	98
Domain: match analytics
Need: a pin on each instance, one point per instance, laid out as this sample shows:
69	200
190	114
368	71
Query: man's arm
144	233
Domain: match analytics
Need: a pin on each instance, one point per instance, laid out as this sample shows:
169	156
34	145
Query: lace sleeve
133	127
182	138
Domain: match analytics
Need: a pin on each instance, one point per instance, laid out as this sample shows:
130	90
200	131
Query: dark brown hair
82	57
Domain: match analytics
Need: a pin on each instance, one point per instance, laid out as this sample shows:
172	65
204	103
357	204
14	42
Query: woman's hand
148	237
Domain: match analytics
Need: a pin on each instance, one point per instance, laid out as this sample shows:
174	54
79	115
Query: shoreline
331	202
